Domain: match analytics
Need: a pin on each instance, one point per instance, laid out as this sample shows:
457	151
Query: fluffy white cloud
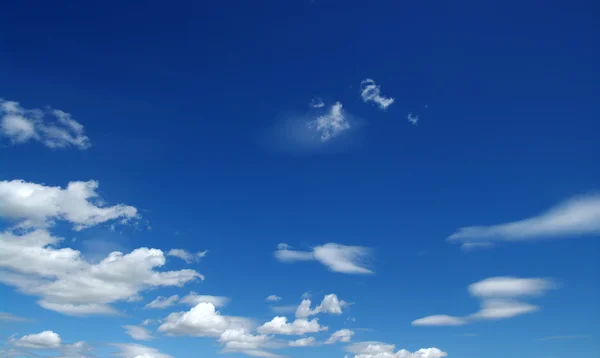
239	340
332	124
300	326
138	351
192	299
304	342
186	256
21	125
384	350
138	333
330	304
43	340
69	284
575	217
440	320
498	295
35	205
162	302
343	335
338	258
202	320
370	92
273	298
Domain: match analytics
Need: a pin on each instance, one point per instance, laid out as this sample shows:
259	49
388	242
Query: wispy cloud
273	298
316	103
338	258
161	302
370	92
575	217
498	300
187	256
4	316
22	125
138	333
413	119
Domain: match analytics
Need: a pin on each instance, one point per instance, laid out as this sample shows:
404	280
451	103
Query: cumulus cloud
575	217
304	342
273	298
344	335
240	340
161	302
371	92
330	304
331	124
300	326
138	333
43	340
138	351
384	350
338	258
34	205
186	256
54	128
69	284
498	300
202	320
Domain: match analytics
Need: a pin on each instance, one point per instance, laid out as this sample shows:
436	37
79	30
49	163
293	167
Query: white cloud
332	124
300	326
370	92
316	103
5	316
344	335
138	333
43	340
69	284
414	120
330	304
440	320
186	256
35	205
304	342
498	300
239	340
192	299
506	286
203	320
384	350
575	217
138	351
21	125
339	258
161	302
503	308
273	298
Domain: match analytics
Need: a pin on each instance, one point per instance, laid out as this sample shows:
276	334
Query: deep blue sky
179	100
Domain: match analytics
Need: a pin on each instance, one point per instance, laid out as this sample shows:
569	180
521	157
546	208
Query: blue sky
260	140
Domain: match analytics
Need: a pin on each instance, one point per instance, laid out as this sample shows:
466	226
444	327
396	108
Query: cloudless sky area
199	115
